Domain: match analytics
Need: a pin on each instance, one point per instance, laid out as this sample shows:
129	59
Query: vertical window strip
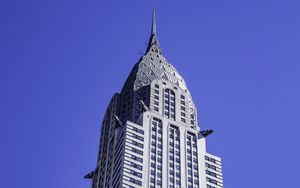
169	104
156	153
177	153
193	168
174	157
189	161
172	165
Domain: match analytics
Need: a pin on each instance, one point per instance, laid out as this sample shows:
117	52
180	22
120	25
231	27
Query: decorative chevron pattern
154	66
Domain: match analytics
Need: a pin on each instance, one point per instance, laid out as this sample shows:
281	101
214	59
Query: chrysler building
150	135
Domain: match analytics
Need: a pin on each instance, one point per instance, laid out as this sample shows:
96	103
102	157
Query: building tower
150	135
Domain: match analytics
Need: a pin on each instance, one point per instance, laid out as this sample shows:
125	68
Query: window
138	137
169	106
211	173
209	186
138	130
135	173
136	158
156	152
137	182
137	151
210	159
136	166
211	181
210	166
136	144
174	156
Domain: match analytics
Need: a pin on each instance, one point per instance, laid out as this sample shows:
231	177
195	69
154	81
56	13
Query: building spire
153	30
153	40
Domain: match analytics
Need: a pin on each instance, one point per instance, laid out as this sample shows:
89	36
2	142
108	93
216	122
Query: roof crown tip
153	30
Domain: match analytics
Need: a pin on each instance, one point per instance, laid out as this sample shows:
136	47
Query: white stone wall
145	125
213	166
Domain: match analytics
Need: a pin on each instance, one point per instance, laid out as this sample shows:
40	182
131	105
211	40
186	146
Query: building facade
150	135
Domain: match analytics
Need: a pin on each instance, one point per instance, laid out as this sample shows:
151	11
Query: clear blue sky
62	60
